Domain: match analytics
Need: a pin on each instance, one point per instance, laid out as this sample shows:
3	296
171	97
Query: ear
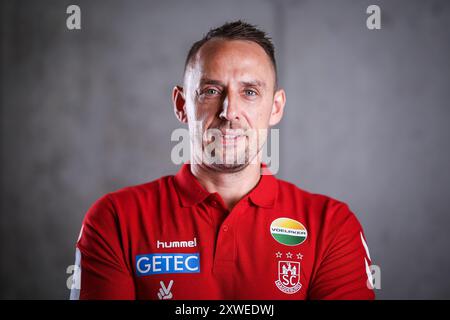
179	104
279	100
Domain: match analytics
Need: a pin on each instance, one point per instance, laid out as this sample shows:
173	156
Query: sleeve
100	261
344	270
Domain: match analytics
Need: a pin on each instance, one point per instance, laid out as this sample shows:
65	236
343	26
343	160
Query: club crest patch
288	277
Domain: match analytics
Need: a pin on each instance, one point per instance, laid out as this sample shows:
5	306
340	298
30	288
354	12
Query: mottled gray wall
87	112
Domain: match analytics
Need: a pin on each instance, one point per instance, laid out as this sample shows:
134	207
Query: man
223	227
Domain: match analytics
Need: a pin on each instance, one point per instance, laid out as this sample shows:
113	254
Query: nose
229	110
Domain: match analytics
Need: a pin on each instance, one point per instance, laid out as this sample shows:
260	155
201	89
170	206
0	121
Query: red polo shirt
172	239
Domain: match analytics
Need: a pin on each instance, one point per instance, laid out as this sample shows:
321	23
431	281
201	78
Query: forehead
224	59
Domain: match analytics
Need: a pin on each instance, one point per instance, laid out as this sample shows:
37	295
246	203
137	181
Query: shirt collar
191	192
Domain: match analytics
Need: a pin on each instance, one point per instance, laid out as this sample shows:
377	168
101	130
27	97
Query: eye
249	92
211	91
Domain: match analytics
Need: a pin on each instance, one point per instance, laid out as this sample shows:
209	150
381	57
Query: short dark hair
237	30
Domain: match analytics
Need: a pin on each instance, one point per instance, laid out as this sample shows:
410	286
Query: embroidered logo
288	277
164	292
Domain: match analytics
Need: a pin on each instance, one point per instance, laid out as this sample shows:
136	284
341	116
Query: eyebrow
204	81
251	83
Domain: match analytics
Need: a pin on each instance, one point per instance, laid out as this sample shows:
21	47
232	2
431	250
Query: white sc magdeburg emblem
288	276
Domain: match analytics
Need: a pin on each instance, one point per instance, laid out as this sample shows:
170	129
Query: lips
228	139
230	136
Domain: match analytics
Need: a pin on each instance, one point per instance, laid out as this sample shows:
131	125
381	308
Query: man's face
229	90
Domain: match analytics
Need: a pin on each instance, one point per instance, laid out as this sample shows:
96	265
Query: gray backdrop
87	112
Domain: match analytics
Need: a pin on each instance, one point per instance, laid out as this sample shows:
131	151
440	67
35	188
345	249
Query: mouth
226	137
231	139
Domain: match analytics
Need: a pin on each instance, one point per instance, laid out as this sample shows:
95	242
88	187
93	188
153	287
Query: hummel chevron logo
164	293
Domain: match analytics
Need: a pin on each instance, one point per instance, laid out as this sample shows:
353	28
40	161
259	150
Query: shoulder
130	197
318	207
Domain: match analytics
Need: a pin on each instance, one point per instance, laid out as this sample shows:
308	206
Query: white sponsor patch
164	292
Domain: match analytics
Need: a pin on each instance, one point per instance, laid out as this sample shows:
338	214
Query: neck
232	186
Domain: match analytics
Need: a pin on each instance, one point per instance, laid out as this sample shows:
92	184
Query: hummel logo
164	293
176	244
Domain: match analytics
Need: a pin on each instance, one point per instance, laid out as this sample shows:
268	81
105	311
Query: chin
232	167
